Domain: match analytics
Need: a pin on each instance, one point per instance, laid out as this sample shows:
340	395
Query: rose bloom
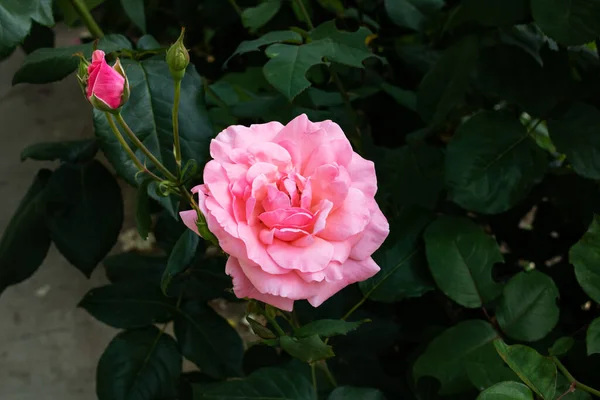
294	208
104	82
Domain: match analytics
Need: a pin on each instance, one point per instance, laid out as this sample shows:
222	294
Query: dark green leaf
288	64
592	337
207	340
585	257
26	240
181	257
148	113
536	371
461	257
446	357
266	383
406	98
327	328
43	12
308	349
67	151
354	393
492	163
496	12
125	305
527	309
445	85
136	12
86	213
49	65
575	135
260	330
148	42
256	17
411	13
16	16
403	267
412	175
135	267
506	391
569	22
488	369
142	364
335	6
561	346
143	219
266	39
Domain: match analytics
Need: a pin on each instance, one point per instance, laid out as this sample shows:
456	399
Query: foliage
481	119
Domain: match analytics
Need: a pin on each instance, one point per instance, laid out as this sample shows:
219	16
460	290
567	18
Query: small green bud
82	72
178	58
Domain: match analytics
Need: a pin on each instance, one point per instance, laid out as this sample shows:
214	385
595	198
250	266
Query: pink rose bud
294	207
107	87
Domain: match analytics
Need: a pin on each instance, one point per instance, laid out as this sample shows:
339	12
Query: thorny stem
574	382
176	144
138	143
127	149
87	18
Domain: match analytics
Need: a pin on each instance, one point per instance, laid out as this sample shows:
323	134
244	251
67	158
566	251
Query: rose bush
294	208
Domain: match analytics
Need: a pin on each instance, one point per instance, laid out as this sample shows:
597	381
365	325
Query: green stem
273	322
572	380
144	149
340	86
305	13
127	149
328	373
176	143
87	18
237	8
313	373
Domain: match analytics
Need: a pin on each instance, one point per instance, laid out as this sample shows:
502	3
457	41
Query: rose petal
348	220
362	175
107	85
238	136
373	236
335	152
189	218
330	182
313	258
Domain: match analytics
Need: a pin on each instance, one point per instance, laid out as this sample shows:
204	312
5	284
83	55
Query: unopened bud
178	58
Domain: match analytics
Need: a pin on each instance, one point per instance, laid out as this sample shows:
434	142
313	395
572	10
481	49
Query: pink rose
107	86
294	208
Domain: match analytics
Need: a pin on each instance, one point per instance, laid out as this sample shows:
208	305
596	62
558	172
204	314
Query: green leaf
570	22
261	330
406	98
126	305
496	12
286	70
66	151
308	349
256	17
148	114
561	346
492	163
43	13
50	65
585	257
248	46
403	268
411	13
143	219
592	337
506	391
355	393
208	341
445	85
15	20
141	364
180	258
26	240
86	213
527	309
574	134
461	257
335	6
327	328
147	42
536	371
266	383
446	357
537	86
488	369
135	11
